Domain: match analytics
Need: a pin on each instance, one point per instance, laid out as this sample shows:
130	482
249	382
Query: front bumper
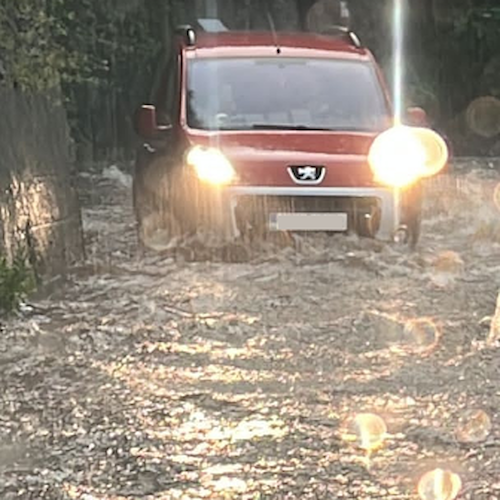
233	200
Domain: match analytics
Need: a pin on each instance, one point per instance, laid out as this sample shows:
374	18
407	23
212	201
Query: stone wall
39	209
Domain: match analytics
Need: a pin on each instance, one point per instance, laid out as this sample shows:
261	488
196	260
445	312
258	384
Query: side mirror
417	117
146	124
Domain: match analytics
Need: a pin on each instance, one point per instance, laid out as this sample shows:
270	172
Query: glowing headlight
402	155
211	165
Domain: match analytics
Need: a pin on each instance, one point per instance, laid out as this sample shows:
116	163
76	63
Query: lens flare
435	148
370	431
474	427
402	155
449	262
496	196
483	116
439	484
421	332
398	49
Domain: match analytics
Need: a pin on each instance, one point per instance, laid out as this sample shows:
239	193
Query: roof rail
188	33
343	32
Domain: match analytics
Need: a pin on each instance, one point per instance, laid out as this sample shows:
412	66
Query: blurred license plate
308	222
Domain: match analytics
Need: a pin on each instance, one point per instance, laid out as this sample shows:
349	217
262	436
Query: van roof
265	44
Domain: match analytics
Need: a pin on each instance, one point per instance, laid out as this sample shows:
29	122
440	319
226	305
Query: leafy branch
16	281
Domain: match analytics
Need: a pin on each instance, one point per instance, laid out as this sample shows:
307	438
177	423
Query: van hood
263	158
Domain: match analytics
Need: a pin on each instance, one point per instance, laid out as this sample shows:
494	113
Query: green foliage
47	42
16	280
101	53
30	54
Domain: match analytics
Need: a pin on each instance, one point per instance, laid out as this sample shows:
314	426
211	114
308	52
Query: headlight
211	165
402	155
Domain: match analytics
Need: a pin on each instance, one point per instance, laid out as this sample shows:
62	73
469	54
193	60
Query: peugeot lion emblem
307	174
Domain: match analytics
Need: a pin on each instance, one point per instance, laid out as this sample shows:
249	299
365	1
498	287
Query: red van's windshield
281	93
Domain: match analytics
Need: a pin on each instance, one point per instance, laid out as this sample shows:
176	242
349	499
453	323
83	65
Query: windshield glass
260	93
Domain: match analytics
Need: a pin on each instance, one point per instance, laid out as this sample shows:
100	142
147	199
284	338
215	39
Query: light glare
398	38
402	155
396	157
436	150
211	165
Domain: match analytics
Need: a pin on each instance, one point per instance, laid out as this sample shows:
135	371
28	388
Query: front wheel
157	226
414	230
411	213
158	231
368	222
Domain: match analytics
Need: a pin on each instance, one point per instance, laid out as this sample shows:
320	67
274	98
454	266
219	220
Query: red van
254	132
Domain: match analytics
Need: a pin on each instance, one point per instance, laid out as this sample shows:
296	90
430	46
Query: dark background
104	55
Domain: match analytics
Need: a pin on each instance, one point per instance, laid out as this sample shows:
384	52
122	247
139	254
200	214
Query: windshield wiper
267	126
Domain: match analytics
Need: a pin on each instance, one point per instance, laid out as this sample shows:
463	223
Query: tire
411	215
368	223
414	230
156	224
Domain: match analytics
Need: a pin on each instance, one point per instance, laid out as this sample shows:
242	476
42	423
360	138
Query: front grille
320	204
254	211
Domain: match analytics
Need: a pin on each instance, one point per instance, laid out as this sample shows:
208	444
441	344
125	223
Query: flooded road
152	377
